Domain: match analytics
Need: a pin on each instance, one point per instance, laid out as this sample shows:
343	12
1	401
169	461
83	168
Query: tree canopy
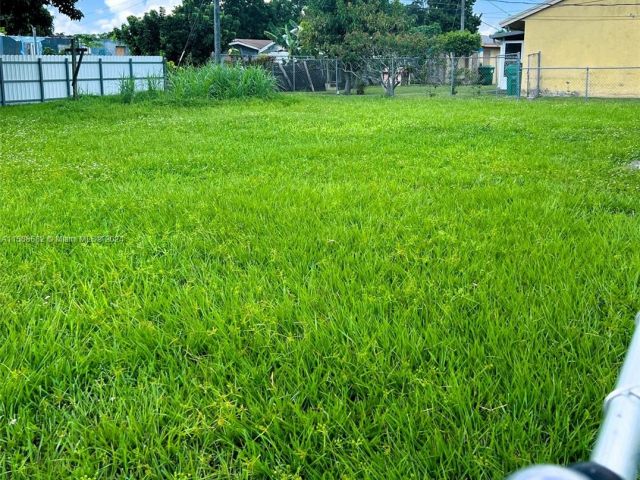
18	16
349	29
189	27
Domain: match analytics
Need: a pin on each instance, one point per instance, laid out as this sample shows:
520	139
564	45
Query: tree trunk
347	83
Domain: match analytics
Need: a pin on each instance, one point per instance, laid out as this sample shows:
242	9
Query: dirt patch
635	165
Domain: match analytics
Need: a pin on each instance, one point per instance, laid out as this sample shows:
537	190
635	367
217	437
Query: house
559	39
489	50
27	45
251	47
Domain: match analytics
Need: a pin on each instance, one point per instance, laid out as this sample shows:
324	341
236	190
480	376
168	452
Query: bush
127	89
218	82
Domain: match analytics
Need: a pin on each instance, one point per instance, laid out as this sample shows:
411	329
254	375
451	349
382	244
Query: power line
541	4
191	30
492	2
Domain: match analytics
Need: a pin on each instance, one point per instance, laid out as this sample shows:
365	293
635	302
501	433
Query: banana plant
287	37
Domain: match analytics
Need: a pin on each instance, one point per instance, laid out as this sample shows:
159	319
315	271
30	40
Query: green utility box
512	72
485	72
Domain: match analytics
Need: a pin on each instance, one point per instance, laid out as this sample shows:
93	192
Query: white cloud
119	10
114	14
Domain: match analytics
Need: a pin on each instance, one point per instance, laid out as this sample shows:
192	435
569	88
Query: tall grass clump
127	89
221	82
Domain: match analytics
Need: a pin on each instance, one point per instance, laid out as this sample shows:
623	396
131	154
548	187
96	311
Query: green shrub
127	89
220	82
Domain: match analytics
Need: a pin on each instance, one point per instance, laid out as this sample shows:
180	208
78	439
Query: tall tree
189	27
364	34
446	14
18	16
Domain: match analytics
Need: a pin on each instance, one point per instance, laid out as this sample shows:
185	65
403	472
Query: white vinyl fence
31	78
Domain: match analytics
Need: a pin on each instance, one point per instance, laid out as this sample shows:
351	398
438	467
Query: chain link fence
471	76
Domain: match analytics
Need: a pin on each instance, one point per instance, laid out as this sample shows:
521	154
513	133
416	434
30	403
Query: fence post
164	73
453	76
519	78
40	80
538	89
337	87
293	62
528	73
586	86
3	100
101	76
66	74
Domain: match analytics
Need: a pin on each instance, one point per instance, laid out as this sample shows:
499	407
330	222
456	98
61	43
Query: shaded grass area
313	287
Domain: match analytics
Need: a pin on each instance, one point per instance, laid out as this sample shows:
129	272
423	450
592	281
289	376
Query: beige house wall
586	36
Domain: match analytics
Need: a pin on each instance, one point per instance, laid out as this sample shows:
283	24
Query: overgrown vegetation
186	84
218	82
314	287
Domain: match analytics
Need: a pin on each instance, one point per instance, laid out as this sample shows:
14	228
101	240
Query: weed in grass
319	286
127	89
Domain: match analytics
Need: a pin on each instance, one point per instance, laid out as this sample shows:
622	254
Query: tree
460	43
287	37
446	14
186	34
367	35
18	16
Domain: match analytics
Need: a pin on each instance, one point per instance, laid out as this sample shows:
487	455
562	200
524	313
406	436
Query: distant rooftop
487	41
255	43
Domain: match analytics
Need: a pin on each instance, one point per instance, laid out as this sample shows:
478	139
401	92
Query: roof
528	12
504	34
257	44
487	41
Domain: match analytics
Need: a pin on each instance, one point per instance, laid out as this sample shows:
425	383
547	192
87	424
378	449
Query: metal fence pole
164	73
101	76
528	73
586	85
453	76
40	79
66	74
538	89
337	87
293	63
3	100
518	78
130	67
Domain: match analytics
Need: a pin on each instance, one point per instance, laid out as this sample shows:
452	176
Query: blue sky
103	15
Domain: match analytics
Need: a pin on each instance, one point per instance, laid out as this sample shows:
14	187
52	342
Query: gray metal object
217	32
617	448
618	445
547	472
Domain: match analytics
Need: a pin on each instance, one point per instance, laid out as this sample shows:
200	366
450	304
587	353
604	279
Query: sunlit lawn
312	287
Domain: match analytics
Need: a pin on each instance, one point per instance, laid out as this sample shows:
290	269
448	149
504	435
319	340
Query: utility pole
35	40
216	32
462	14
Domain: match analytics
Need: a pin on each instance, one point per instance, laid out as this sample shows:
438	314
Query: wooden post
74	63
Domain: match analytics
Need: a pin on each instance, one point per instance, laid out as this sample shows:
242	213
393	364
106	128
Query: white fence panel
31	78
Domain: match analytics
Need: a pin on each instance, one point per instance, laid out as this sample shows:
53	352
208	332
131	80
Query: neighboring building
251	47
489	50
25	45
565	33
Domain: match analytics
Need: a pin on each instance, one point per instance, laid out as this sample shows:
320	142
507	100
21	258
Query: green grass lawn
312	287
